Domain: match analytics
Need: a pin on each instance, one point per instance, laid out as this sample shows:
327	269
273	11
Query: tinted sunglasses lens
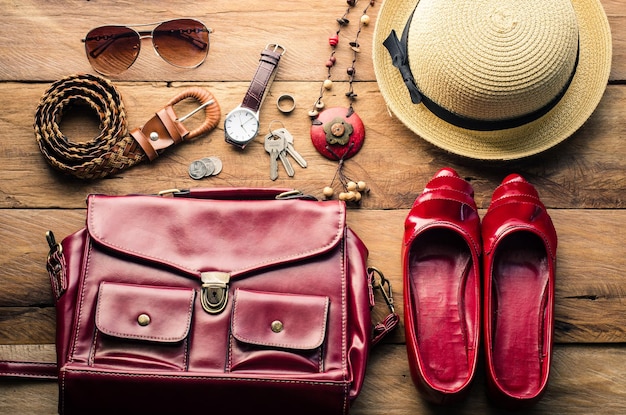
182	42
112	49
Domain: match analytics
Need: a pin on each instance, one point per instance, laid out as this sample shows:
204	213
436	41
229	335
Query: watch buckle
276	47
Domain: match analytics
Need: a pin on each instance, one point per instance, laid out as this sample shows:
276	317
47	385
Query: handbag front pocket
144	327
277	332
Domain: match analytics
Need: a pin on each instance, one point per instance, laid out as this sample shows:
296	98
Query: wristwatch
242	124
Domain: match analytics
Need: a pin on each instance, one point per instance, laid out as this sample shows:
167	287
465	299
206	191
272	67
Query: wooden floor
582	181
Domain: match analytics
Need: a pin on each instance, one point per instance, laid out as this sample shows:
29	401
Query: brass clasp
214	291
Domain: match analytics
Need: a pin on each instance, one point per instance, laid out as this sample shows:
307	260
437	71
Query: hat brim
576	106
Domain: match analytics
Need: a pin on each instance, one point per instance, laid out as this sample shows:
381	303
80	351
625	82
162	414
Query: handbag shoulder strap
32	370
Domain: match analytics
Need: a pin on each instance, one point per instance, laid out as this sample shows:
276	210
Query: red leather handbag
220	300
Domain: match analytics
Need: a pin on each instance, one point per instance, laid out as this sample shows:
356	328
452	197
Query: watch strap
270	57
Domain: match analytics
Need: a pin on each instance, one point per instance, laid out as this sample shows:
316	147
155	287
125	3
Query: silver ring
286	103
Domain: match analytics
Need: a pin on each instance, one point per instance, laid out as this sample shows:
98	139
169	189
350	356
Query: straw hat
497	79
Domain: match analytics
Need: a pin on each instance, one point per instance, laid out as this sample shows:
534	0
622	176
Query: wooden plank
584	380
235	44
586	171
44	352
590	284
27	325
616	14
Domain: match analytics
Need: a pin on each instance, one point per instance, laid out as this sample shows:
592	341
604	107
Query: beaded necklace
338	132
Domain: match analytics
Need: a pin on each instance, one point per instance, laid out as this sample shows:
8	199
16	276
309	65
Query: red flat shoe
519	243
441	276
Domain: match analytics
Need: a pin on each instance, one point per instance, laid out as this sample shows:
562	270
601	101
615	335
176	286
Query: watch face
241	125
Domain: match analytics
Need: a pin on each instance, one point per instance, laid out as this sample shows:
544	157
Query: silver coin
217	164
197	170
210	167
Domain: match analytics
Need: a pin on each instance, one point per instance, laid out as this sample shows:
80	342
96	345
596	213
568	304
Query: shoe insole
519	288
443	290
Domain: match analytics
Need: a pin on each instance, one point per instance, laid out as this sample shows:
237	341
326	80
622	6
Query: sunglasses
181	42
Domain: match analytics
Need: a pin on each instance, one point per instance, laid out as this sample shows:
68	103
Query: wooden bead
351	71
365	19
328	84
351	186
328	192
313	113
357	196
333	40
361	186
329	63
319	104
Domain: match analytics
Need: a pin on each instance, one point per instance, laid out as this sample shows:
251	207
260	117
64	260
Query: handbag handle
237	193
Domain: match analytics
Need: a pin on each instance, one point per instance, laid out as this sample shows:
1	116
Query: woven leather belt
115	149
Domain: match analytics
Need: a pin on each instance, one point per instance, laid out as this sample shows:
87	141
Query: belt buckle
205	99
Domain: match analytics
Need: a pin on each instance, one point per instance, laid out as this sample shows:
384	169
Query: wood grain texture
582	181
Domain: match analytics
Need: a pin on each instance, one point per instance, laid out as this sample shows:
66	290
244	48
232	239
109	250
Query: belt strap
115	149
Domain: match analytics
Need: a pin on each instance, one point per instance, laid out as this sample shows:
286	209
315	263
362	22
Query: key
286	163
283	154
274	145
289	148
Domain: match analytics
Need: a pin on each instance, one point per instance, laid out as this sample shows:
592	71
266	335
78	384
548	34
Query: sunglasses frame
144	34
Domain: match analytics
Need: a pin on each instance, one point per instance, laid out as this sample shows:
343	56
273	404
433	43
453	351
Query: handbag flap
287	321
199	235
157	314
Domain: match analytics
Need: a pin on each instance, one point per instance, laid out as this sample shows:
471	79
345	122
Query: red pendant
338	133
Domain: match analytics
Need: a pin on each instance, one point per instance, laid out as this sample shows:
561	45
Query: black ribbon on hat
400	60
397	49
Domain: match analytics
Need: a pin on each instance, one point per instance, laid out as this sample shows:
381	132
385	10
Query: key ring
286	108
272	130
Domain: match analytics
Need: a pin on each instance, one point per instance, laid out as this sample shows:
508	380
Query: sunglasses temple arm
104	46
191	39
